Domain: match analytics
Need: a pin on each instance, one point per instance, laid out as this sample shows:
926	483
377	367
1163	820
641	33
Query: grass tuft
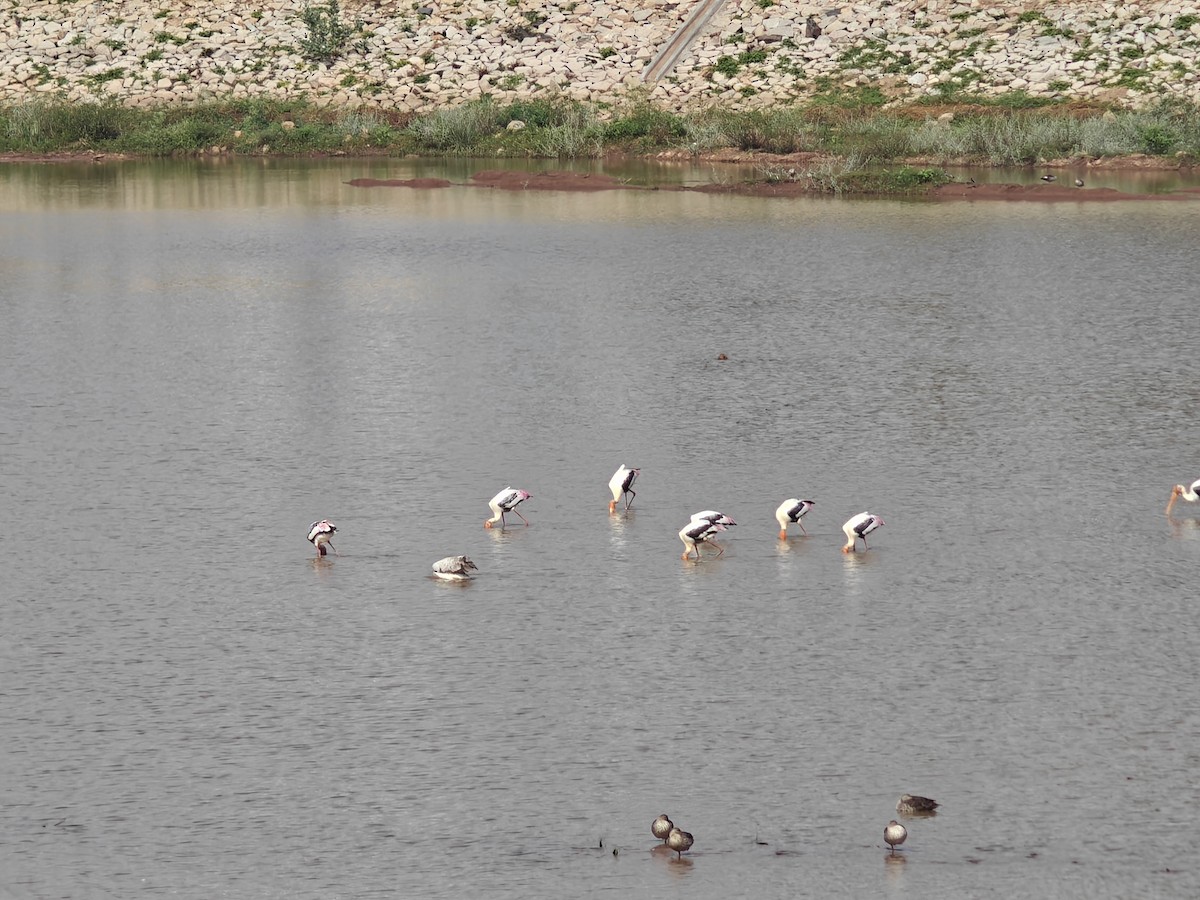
842	123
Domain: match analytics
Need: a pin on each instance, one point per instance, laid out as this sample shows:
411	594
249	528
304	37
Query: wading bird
320	535
895	834
621	484
506	502
910	805
679	841
791	512
1190	493
697	532
661	827
859	527
454	568
711	515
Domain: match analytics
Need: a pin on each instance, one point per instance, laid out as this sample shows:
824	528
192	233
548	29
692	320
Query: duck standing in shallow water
911	805
1188	492
790	512
661	827
894	834
859	527
506	502
320	535
679	841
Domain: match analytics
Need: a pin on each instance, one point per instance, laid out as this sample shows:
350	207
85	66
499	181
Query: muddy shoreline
506	180
554	180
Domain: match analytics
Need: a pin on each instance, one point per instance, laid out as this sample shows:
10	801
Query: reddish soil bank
1050	192
506	180
401	182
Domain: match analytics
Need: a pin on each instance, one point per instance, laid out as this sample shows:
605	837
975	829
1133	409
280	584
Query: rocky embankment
421	55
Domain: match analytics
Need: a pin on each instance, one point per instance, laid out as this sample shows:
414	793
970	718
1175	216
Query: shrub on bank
562	128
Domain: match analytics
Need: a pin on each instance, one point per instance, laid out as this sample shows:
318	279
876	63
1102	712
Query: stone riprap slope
421	55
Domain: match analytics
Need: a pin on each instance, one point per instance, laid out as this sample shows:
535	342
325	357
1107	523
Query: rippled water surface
198	362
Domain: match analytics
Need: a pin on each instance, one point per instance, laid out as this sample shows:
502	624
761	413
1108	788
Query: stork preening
454	568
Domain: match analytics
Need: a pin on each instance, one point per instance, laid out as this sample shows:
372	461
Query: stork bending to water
506	502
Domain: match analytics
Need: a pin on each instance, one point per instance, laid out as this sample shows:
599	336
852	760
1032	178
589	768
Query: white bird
1190	493
320	535
622	483
679	841
711	515
661	827
792	511
859	527
697	532
454	568
895	834
912	805
506	501
1049	178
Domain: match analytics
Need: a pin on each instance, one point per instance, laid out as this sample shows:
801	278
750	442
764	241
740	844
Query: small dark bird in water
895	834
1049	178
910	805
679	841
1078	182
661	827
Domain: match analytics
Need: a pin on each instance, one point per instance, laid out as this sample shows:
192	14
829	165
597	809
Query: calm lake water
198	361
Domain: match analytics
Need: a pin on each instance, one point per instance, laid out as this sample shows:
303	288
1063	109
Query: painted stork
320	535
792	511
895	834
711	515
661	827
697	532
504	502
1190	493
679	841
911	805
859	527
454	568
621	484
